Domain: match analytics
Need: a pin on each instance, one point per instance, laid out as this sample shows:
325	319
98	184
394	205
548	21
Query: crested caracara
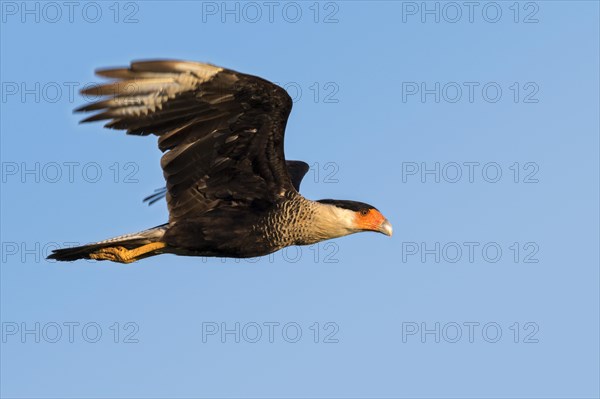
230	192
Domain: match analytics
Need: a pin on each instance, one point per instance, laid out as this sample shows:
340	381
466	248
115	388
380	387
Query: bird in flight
230	191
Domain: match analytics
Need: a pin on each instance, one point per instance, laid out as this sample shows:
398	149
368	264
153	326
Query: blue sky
474	129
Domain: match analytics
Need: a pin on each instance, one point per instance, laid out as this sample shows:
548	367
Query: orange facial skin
370	219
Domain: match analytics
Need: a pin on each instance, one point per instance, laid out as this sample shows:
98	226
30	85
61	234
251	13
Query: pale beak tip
386	228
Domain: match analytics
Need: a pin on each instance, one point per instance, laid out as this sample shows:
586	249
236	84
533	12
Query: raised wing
222	131
296	170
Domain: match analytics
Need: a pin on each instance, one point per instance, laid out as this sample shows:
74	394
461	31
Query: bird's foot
114	254
124	255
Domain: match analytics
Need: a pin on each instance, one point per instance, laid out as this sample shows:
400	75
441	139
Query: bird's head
357	216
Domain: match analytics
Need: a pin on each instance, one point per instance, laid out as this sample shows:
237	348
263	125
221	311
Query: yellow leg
124	255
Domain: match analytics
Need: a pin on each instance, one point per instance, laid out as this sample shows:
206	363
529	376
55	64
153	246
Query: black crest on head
351	205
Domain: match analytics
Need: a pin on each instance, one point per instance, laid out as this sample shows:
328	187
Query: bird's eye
364	212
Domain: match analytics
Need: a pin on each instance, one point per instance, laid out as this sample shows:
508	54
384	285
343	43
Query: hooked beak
386	228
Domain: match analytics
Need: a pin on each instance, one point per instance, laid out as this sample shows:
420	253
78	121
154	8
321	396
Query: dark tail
127	242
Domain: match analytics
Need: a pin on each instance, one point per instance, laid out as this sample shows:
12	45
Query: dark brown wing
296	170
222	130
